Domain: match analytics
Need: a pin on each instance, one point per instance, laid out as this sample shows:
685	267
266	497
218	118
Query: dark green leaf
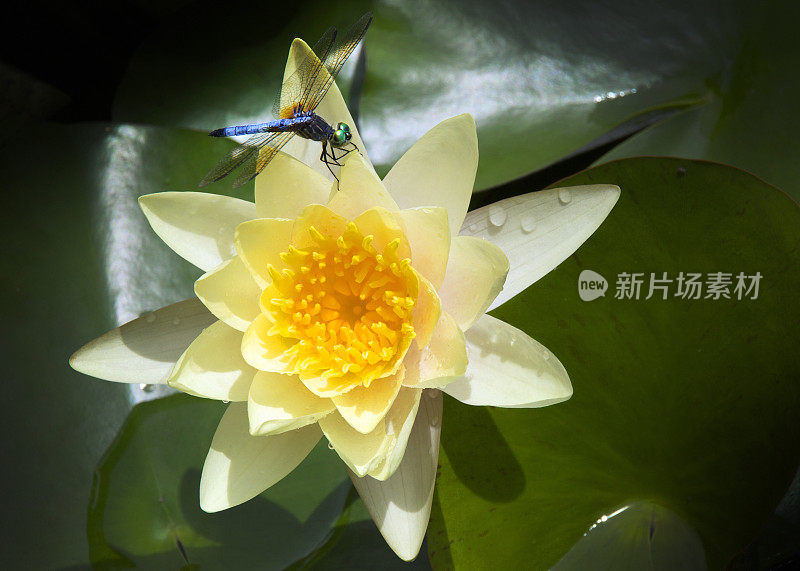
750	119
79	258
542	79
689	404
145	508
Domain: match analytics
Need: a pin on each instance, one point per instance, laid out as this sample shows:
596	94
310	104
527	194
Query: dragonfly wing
238	156
294	87
334	60
255	162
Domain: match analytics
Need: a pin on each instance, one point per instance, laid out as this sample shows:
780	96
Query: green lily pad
690	404
542	79
639	536
750	117
78	259
146	512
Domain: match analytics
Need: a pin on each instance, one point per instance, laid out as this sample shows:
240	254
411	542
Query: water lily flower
345	309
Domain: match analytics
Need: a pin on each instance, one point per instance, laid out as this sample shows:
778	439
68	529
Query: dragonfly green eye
342	134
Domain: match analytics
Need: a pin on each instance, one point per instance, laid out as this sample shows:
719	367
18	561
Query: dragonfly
294	107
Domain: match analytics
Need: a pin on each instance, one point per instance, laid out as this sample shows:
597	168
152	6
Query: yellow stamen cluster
347	305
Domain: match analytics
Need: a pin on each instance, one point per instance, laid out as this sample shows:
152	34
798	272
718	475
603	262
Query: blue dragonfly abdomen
308	125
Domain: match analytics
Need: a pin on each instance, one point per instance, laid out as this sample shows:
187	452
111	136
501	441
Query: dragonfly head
341	135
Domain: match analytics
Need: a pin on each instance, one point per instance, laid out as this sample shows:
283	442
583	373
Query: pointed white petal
240	466
278	403
401	505
364	407
510	369
439	362
428	234
359	189
475	275
288	185
144	350
379	452
541	229
332	108
230	293
197	225
212	367
439	170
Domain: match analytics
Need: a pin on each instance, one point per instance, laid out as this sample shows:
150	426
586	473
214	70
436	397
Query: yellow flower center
347	305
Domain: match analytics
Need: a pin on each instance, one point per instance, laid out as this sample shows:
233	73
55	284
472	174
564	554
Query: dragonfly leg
337	160
325	156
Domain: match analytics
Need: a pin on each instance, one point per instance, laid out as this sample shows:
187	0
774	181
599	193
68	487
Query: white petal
428	234
379	452
144	350
212	367
510	369
541	229
287	185
439	362
332	108
401	505
240	466
439	170
359	189
278	403
475	275
364	407
197	225
230	293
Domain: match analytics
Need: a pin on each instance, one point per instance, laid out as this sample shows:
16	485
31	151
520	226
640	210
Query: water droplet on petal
146	387
528	222
473	227
432	393
497	215
150	318
564	197
435	420
176	321
545	355
330	445
226	402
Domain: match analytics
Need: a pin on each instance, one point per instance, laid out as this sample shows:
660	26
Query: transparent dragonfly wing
264	153
292	90
333	62
240	155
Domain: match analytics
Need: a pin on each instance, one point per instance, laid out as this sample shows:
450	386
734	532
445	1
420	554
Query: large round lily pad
689	404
